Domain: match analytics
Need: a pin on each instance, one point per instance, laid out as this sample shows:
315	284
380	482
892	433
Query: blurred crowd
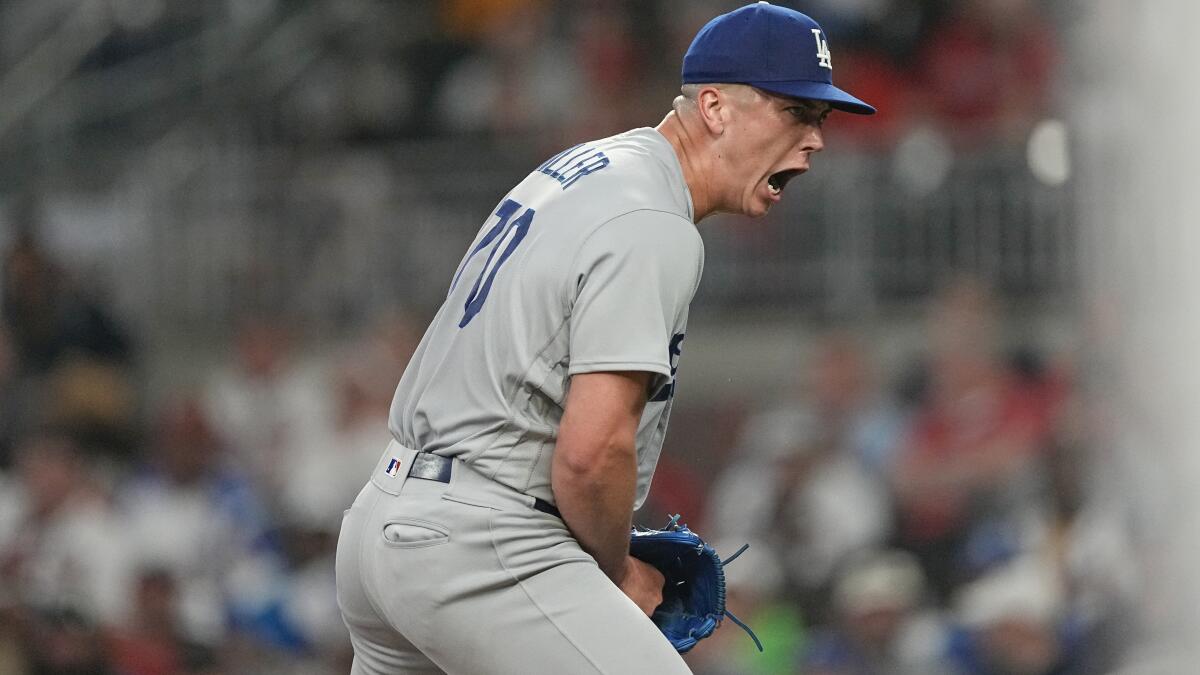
947	515
981	70
978	70
189	534
957	516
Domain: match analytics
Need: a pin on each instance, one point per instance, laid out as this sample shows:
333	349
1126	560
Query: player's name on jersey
571	164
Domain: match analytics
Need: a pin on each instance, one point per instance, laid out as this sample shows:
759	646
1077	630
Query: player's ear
713	107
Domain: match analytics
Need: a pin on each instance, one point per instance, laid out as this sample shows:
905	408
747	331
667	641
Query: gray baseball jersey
587	265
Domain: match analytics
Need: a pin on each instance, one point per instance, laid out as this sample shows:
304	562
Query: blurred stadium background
225	225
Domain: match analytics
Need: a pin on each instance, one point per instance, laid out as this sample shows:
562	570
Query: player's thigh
384	658
554	613
379	649
584	614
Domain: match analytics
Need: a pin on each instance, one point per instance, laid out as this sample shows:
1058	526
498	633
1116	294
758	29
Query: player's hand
643	583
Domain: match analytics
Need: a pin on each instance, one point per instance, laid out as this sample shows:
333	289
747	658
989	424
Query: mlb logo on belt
393	467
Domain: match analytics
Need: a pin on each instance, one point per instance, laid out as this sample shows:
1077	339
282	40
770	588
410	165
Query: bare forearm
596	502
594	470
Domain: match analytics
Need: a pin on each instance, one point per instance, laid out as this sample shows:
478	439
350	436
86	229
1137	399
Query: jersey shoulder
633	171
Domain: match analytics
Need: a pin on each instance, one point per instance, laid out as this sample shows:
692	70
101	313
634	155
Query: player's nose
812	141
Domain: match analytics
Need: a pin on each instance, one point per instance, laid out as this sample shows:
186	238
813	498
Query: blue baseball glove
693	603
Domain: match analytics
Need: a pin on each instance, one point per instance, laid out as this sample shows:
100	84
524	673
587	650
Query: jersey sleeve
633	280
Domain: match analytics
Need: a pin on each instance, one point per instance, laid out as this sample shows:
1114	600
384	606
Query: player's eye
810	116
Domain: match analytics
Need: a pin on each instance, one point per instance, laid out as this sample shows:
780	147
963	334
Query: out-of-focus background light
1049	158
923	159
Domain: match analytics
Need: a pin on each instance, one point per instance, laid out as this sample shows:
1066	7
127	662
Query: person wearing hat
492	536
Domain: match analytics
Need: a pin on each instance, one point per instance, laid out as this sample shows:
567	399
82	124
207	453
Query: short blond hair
689	92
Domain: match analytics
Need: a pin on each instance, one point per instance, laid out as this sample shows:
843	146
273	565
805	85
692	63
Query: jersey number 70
505	230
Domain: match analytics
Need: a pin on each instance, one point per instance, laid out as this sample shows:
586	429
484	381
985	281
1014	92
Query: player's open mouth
779	180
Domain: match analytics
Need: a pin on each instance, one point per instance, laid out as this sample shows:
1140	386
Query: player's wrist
626	571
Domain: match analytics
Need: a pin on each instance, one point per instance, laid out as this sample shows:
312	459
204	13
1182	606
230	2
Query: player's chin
760	203
760	211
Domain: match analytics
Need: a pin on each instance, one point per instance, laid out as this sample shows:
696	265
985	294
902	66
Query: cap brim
818	91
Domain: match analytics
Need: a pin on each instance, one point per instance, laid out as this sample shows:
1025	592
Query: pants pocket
414	533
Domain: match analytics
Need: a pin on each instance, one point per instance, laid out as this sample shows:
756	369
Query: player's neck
691	159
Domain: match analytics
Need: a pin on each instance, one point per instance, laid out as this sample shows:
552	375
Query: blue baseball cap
773	48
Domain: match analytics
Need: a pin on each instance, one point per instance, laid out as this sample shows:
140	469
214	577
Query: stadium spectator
63	550
70	358
975	446
193	516
791	486
809	475
263	402
844	388
1015	622
153	642
985	70
16	399
602	36
523	77
881	625
326	466
49	320
61	641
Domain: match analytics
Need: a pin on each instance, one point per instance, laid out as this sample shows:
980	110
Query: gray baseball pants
466	578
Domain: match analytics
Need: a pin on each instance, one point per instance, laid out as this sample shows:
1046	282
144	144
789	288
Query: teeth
774	190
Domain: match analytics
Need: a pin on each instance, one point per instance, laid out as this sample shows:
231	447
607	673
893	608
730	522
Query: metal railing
329	239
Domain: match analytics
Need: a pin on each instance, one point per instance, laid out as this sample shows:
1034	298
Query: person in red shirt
985	69
976	442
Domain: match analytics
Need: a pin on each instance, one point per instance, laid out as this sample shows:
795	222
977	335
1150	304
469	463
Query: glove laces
739	622
673	524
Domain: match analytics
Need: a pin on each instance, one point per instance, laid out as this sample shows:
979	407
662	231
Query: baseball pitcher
493	536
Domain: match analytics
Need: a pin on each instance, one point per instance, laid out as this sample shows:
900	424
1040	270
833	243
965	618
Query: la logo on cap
824	57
